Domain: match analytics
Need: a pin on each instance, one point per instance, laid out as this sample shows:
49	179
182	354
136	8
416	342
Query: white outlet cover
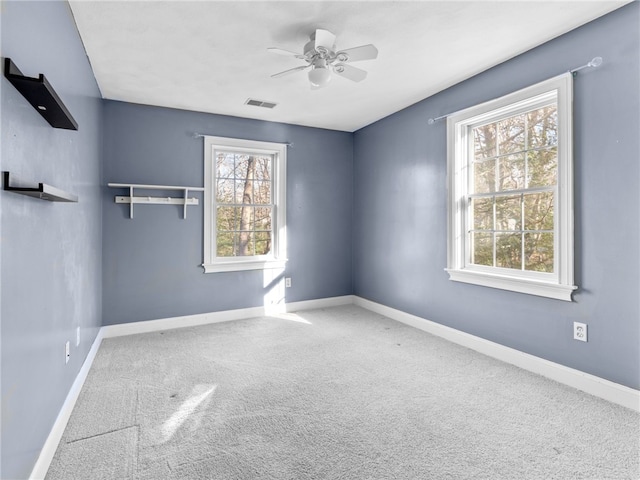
287	282
77	336
580	331
67	352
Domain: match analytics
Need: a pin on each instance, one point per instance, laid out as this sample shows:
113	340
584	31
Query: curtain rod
595	62
198	135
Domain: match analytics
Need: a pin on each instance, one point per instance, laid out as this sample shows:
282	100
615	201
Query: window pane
225	191
262	192
227	218
245	244
482	248
511	135
244	192
482	209
263	168
542	168
509	250
246	218
263	218
225	246
241	163
262	242
542	128
511	176
538	252
224	165
508	213
538	211
484	176
484	141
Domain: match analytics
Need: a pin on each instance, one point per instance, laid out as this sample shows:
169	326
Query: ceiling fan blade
357	54
324	39
291	70
352	73
288	53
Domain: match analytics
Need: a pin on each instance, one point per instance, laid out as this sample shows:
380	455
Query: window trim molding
558	285
278	256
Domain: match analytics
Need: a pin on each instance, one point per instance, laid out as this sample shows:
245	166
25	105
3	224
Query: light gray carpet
348	395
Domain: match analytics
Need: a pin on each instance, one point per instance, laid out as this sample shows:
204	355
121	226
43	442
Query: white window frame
277	258
559	284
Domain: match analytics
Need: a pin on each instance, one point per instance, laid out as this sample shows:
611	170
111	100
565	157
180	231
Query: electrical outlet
287	282
580	331
67	352
77	336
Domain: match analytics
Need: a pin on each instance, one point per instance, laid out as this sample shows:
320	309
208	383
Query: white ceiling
211	56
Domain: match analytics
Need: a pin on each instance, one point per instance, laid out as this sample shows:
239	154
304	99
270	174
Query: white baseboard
320	303
51	444
599	387
122	329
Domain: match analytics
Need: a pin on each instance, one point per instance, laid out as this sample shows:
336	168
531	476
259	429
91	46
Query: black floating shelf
43	191
41	95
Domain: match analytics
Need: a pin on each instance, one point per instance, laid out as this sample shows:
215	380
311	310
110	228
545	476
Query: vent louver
259	103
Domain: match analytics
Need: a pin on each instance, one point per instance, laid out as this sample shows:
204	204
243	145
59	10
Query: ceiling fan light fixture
319	76
323	59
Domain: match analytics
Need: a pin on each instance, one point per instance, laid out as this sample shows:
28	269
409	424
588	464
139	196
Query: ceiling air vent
259	103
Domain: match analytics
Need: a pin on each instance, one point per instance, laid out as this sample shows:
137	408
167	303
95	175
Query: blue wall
51	252
151	262
400	208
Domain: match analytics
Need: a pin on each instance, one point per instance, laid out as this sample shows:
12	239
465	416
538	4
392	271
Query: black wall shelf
42	191
41	95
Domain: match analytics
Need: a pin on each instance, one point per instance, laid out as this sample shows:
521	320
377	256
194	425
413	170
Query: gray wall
400	209
151	262
51	252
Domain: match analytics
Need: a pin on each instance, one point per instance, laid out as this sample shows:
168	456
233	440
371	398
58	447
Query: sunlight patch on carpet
292	317
186	410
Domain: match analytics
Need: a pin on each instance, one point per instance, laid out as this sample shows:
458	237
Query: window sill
237	266
520	285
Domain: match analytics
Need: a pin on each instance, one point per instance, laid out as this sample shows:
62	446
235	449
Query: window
510	192
244	223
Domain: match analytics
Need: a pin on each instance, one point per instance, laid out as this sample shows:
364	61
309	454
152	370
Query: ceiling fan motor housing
311	50
322	43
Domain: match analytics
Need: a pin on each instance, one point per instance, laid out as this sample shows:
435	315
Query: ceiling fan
322	58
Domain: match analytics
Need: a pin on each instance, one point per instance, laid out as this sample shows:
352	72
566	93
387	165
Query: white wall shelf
149	200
